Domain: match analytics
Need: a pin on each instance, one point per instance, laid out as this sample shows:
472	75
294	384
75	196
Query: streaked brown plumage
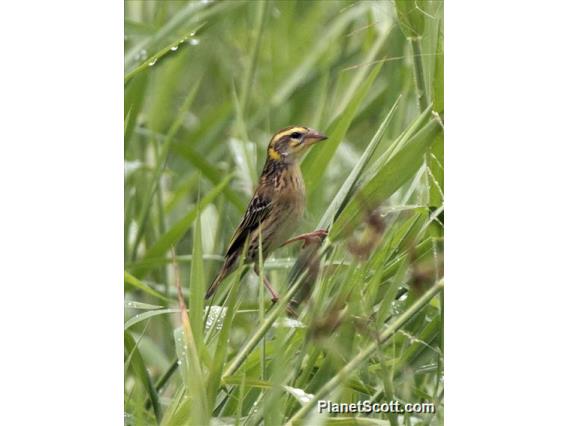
277	204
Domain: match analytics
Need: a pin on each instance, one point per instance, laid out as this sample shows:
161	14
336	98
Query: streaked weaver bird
276	207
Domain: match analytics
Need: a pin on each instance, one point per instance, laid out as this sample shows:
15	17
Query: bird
276	206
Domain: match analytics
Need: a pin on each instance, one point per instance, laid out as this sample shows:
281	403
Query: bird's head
289	144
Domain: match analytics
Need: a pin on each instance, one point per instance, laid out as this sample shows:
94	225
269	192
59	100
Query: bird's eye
296	135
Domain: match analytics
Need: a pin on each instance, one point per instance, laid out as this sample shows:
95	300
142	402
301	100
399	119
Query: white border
506	178
61	175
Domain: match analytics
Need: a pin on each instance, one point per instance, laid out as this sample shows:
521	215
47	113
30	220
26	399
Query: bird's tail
220	276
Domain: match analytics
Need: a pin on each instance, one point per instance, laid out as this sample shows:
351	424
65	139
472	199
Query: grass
206	84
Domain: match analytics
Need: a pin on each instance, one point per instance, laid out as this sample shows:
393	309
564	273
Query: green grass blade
346	188
172	236
208	170
410	15
248	75
332	31
317	160
362	71
262	329
136	283
131	304
395	172
133	102
180	22
190	361
438	80
355	362
436	154
244	156
139	368
168	50
245	162
386	303
219	358
197	285
146	315
159	168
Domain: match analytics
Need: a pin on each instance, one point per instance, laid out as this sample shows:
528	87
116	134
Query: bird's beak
313	137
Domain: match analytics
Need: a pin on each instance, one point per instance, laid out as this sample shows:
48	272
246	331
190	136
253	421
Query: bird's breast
288	203
290	193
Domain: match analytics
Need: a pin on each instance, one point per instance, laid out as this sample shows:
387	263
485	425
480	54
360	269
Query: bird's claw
308	238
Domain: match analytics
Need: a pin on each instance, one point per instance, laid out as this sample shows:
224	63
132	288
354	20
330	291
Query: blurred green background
206	85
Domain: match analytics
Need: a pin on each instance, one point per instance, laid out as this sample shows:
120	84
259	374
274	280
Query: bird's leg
273	293
291	309
308	238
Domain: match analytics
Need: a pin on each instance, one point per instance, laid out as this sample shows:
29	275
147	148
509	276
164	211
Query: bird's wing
257	211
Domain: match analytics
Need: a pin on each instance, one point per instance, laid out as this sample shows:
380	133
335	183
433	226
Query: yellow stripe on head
287	131
275	155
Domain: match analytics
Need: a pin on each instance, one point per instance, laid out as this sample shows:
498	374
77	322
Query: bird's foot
308	238
274	297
